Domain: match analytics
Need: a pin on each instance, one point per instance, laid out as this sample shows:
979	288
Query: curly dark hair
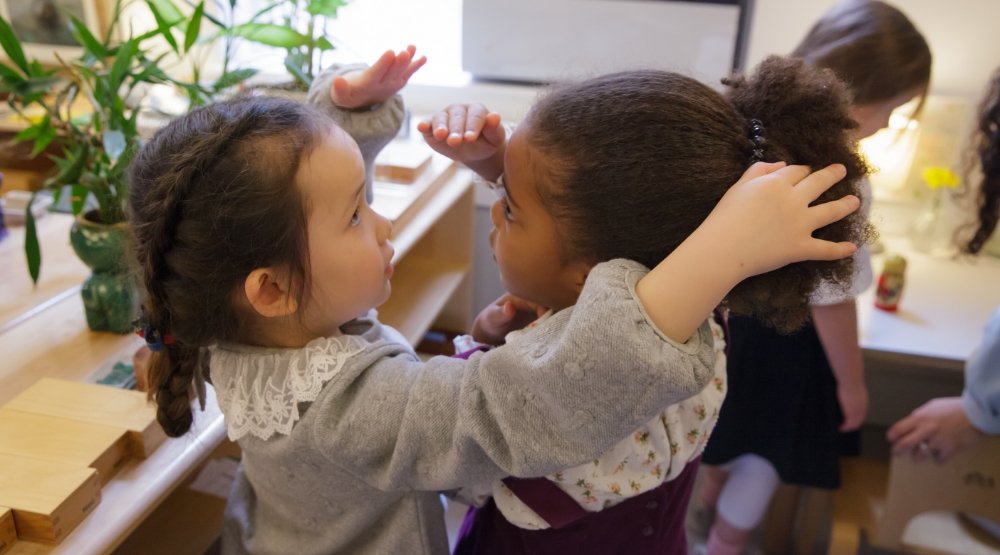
637	160
986	155
211	198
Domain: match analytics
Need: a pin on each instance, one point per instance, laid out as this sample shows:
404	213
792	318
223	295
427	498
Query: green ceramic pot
109	296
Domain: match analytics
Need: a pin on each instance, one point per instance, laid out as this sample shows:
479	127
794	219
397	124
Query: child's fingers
399	65
760	169
819	249
456	124
493	132
414	66
381	67
835	210
819	181
439	125
475	119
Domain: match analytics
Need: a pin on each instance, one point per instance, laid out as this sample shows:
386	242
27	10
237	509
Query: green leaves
270	34
32	251
194	27
325	8
12	46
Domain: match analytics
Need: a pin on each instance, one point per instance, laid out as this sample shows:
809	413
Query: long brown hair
637	160
871	46
212	197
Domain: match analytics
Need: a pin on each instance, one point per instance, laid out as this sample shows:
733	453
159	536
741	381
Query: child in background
791	396
260	261
614	167
942	427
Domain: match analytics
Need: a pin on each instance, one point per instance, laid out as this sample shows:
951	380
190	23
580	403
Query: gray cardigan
357	466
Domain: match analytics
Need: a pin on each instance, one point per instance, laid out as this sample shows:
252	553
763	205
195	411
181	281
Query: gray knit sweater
346	441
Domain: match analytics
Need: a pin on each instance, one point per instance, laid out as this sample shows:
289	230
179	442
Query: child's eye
508	214
356	217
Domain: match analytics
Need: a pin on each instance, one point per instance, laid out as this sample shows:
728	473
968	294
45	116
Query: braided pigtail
800	115
212	197
986	155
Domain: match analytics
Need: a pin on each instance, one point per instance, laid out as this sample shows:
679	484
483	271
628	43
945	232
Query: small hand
470	134
506	314
767	217
377	83
853	400
939	428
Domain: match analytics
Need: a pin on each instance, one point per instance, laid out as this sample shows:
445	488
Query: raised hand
378	83
470	134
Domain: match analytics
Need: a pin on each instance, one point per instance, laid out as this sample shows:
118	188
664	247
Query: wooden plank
402	161
61	440
97	404
8	534
48	499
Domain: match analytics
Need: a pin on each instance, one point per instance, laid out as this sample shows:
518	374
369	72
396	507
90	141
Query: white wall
963	34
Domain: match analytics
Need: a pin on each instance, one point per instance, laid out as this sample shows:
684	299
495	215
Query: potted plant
86	111
296	26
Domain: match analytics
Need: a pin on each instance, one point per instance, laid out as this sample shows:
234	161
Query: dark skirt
650	523
781	405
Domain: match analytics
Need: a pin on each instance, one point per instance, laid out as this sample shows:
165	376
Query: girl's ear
269	292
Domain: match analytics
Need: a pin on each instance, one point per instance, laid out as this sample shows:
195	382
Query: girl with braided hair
615	168
262	261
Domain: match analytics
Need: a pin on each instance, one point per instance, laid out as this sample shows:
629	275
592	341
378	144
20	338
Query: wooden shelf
417	300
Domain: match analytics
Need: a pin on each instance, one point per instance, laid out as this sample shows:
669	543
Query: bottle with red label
890	283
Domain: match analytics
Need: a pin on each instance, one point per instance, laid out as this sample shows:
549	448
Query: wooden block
8	534
402	161
48	499
62	440
97	404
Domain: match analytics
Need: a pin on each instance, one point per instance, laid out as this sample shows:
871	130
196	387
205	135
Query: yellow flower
937	177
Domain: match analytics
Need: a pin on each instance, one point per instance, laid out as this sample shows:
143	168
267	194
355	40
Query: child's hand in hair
506	314
470	134
767	211
378	83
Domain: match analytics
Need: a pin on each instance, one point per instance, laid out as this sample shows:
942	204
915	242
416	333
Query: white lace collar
259	390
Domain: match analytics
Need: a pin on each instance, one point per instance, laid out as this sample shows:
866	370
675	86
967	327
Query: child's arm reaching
762	223
363	101
363	88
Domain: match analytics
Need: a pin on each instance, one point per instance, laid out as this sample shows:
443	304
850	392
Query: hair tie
155	340
759	140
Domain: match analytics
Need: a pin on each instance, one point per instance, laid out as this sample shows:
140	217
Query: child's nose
384	228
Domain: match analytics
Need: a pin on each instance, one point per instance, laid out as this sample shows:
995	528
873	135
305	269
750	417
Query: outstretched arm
762	223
